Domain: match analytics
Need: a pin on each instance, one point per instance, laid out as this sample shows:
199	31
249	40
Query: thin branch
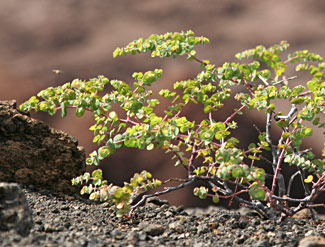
286	79
167	190
291	181
263	80
179	112
302	178
268	138
128	121
234	114
277	171
289	199
234	194
275	156
196	59
320	180
305	93
191	160
174	179
255	205
293	110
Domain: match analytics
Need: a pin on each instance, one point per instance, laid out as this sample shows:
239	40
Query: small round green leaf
104	152
257	192
216	199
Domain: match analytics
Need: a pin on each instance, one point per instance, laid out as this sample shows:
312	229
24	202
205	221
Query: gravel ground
73	221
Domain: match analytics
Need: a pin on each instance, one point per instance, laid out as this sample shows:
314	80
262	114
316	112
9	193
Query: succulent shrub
206	149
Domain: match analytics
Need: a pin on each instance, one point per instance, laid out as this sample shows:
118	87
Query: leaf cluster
206	149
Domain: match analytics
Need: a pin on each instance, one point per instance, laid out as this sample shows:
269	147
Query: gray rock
133	235
312	241
151	229
263	243
200	244
154	230
117	234
177	226
202	228
268	227
157	201
15	212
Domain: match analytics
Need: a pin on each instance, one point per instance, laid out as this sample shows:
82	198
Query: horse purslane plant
205	149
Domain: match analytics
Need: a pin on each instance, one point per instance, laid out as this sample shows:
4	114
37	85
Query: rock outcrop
32	153
15	212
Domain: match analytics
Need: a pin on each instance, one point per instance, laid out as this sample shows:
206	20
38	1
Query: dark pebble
261	244
269	227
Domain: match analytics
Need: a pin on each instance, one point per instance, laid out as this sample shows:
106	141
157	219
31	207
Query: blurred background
79	37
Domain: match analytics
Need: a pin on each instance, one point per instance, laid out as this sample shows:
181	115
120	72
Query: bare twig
268	138
167	190
291	181
285	79
263	80
293	110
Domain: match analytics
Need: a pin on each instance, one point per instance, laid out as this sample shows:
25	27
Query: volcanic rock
15	212
32	153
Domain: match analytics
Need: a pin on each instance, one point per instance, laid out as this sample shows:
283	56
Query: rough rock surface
32	153
75	222
312	241
15	212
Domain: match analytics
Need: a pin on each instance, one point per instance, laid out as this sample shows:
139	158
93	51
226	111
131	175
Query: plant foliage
263	82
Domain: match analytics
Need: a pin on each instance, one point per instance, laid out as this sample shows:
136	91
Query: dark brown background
79	37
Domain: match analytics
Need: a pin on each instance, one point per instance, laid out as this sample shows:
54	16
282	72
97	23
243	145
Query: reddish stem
278	168
234	114
234	194
196	59
319	180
